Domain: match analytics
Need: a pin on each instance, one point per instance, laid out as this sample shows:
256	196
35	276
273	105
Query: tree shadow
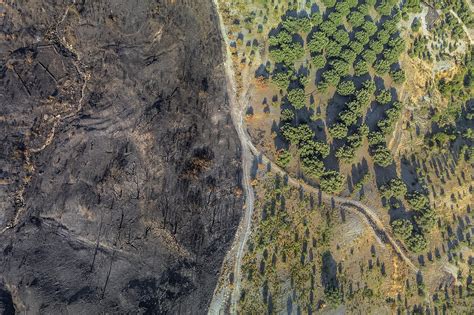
409	174
329	271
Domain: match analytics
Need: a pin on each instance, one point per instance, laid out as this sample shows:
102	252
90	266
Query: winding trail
249	151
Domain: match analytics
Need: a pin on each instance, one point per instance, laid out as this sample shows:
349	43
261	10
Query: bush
297	98
403	228
346	88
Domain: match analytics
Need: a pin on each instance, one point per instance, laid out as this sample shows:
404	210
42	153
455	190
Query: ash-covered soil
119	164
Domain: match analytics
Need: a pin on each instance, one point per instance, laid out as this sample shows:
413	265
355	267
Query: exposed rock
120	167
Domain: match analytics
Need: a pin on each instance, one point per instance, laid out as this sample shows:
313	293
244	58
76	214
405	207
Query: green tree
417	243
361	67
383	156
394	188
283	158
319	61
346	88
346	153
356	19
318	42
403	228
349	55
332	182
384	97
340	66
342	37
297	135
311	149
369	56
329	3
331	77
338	131
333	49
287	115
297	98
416	25
398	76
382	67
417	200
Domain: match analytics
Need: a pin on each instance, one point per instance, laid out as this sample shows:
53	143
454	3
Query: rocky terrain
119	163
